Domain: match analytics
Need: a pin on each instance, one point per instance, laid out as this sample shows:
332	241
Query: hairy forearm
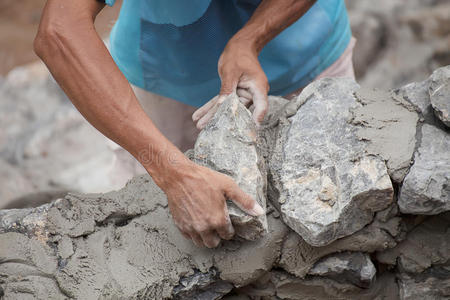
76	56
269	19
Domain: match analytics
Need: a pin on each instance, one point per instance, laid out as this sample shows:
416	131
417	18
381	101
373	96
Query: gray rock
228	144
427	245
280	285
250	260
417	94
426	188
298	257
440	94
353	267
433	284
388	124
327	185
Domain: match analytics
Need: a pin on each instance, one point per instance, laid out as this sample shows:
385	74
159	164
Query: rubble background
390	239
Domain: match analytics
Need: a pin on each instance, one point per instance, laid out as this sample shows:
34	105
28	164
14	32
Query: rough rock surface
356	268
432	284
298	257
439	91
280	285
228	144
320	169
426	188
427	245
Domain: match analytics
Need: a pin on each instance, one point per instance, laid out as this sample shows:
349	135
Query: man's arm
76	56
238	66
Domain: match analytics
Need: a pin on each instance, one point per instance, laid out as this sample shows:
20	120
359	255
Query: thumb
260	102
243	200
229	83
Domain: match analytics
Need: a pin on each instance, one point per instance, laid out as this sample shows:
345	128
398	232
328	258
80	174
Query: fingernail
257	210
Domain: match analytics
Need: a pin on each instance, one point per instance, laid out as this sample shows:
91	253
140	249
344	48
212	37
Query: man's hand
240	72
197	201
239	68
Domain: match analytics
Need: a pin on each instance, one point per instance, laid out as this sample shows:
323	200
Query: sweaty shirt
171	47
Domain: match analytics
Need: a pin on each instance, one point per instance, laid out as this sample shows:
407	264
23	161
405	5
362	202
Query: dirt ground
19	21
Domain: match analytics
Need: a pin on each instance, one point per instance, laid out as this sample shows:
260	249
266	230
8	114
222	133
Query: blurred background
48	149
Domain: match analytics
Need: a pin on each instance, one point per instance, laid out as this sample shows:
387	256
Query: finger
211	112
210	239
195	237
226	230
204	109
260	102
229	82
244	93
243	200
246	102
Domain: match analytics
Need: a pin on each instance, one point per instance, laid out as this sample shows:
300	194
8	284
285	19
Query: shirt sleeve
109	2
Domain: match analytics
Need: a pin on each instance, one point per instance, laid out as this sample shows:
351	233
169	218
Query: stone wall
356	184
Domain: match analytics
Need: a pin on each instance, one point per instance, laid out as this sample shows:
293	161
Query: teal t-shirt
171	47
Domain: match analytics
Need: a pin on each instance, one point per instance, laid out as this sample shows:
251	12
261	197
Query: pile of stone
356	185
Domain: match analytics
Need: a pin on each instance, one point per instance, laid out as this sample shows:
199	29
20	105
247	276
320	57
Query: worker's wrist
163	163
244	40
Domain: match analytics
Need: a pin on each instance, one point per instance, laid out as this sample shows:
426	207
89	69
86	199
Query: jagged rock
417	94
388	123
298	257
353	267
121	245
426	188
433	284
440	94
228	144
425	246
328	186
280	285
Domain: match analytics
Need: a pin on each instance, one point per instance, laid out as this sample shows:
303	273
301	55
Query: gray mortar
388	123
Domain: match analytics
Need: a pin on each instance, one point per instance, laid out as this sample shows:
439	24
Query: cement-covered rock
426	188
328	186
439	94
352	267
122	245
280	285
228	144
425	246
298	257
388	124
433	284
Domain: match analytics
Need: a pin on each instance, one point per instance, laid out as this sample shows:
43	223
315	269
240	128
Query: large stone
433	284
425	246
228	144
426	188
121	245
353	267
327	186
298	257
440	94
417	94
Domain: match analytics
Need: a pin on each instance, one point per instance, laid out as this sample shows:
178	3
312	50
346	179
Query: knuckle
201	228
213	243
